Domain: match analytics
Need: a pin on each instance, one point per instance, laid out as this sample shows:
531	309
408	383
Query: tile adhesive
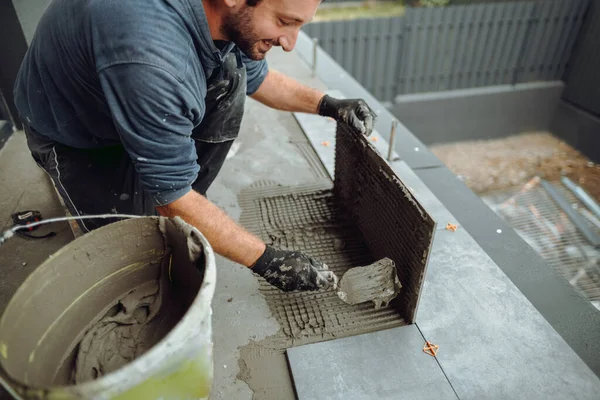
377	283
368	214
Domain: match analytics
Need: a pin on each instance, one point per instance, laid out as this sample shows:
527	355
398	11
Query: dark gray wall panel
482	113
578	128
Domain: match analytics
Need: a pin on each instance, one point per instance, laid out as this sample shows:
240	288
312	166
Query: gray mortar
313	160
306	218
377	283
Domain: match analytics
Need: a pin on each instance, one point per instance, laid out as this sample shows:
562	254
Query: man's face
270	23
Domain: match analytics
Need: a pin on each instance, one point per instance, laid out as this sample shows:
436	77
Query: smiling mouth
265	46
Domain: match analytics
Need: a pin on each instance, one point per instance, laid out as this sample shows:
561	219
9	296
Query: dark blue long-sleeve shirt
101	72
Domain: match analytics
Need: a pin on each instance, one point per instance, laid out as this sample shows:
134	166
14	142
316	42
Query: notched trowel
377	282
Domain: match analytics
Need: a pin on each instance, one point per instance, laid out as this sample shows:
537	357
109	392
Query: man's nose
288	42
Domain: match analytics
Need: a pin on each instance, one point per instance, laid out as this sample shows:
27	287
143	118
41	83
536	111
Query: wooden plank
571	25
330	38
370	70
338	33
411	30
550	30
474	37
573	34
532	51
391	51
396	64
410	34
465	38
485	27
563	23
431	43
350	44
528	32
380	58
522	41
567	23
488	50
454	32
447	21
423	25
361	50
509	44
505	37
496	62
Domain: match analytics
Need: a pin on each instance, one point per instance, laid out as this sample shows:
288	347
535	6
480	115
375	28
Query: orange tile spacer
430	348
374	139
325	143
451	227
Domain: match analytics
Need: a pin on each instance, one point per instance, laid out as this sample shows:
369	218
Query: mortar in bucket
123	312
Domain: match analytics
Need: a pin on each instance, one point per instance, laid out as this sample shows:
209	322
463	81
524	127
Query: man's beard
238	28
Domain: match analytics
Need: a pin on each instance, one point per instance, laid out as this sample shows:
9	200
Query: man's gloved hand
293	270
354	112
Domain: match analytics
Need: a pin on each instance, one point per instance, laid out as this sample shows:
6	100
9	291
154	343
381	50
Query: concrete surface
382	365
24	186
5	132
481	113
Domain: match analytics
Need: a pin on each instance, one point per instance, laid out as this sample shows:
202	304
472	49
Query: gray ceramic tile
382	365
493	342
569	313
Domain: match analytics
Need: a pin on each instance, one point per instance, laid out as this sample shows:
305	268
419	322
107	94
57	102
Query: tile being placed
493	343
382	365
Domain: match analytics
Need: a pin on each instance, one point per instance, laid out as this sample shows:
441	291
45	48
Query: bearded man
131	106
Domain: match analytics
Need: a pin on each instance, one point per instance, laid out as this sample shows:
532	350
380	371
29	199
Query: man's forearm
225	236
284	93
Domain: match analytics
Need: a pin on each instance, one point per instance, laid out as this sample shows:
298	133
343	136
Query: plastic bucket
69	301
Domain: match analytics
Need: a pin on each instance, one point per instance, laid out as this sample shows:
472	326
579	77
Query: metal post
314	64
392	138
592	237
582	195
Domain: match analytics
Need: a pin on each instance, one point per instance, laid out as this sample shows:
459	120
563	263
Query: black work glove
354	112
293	270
